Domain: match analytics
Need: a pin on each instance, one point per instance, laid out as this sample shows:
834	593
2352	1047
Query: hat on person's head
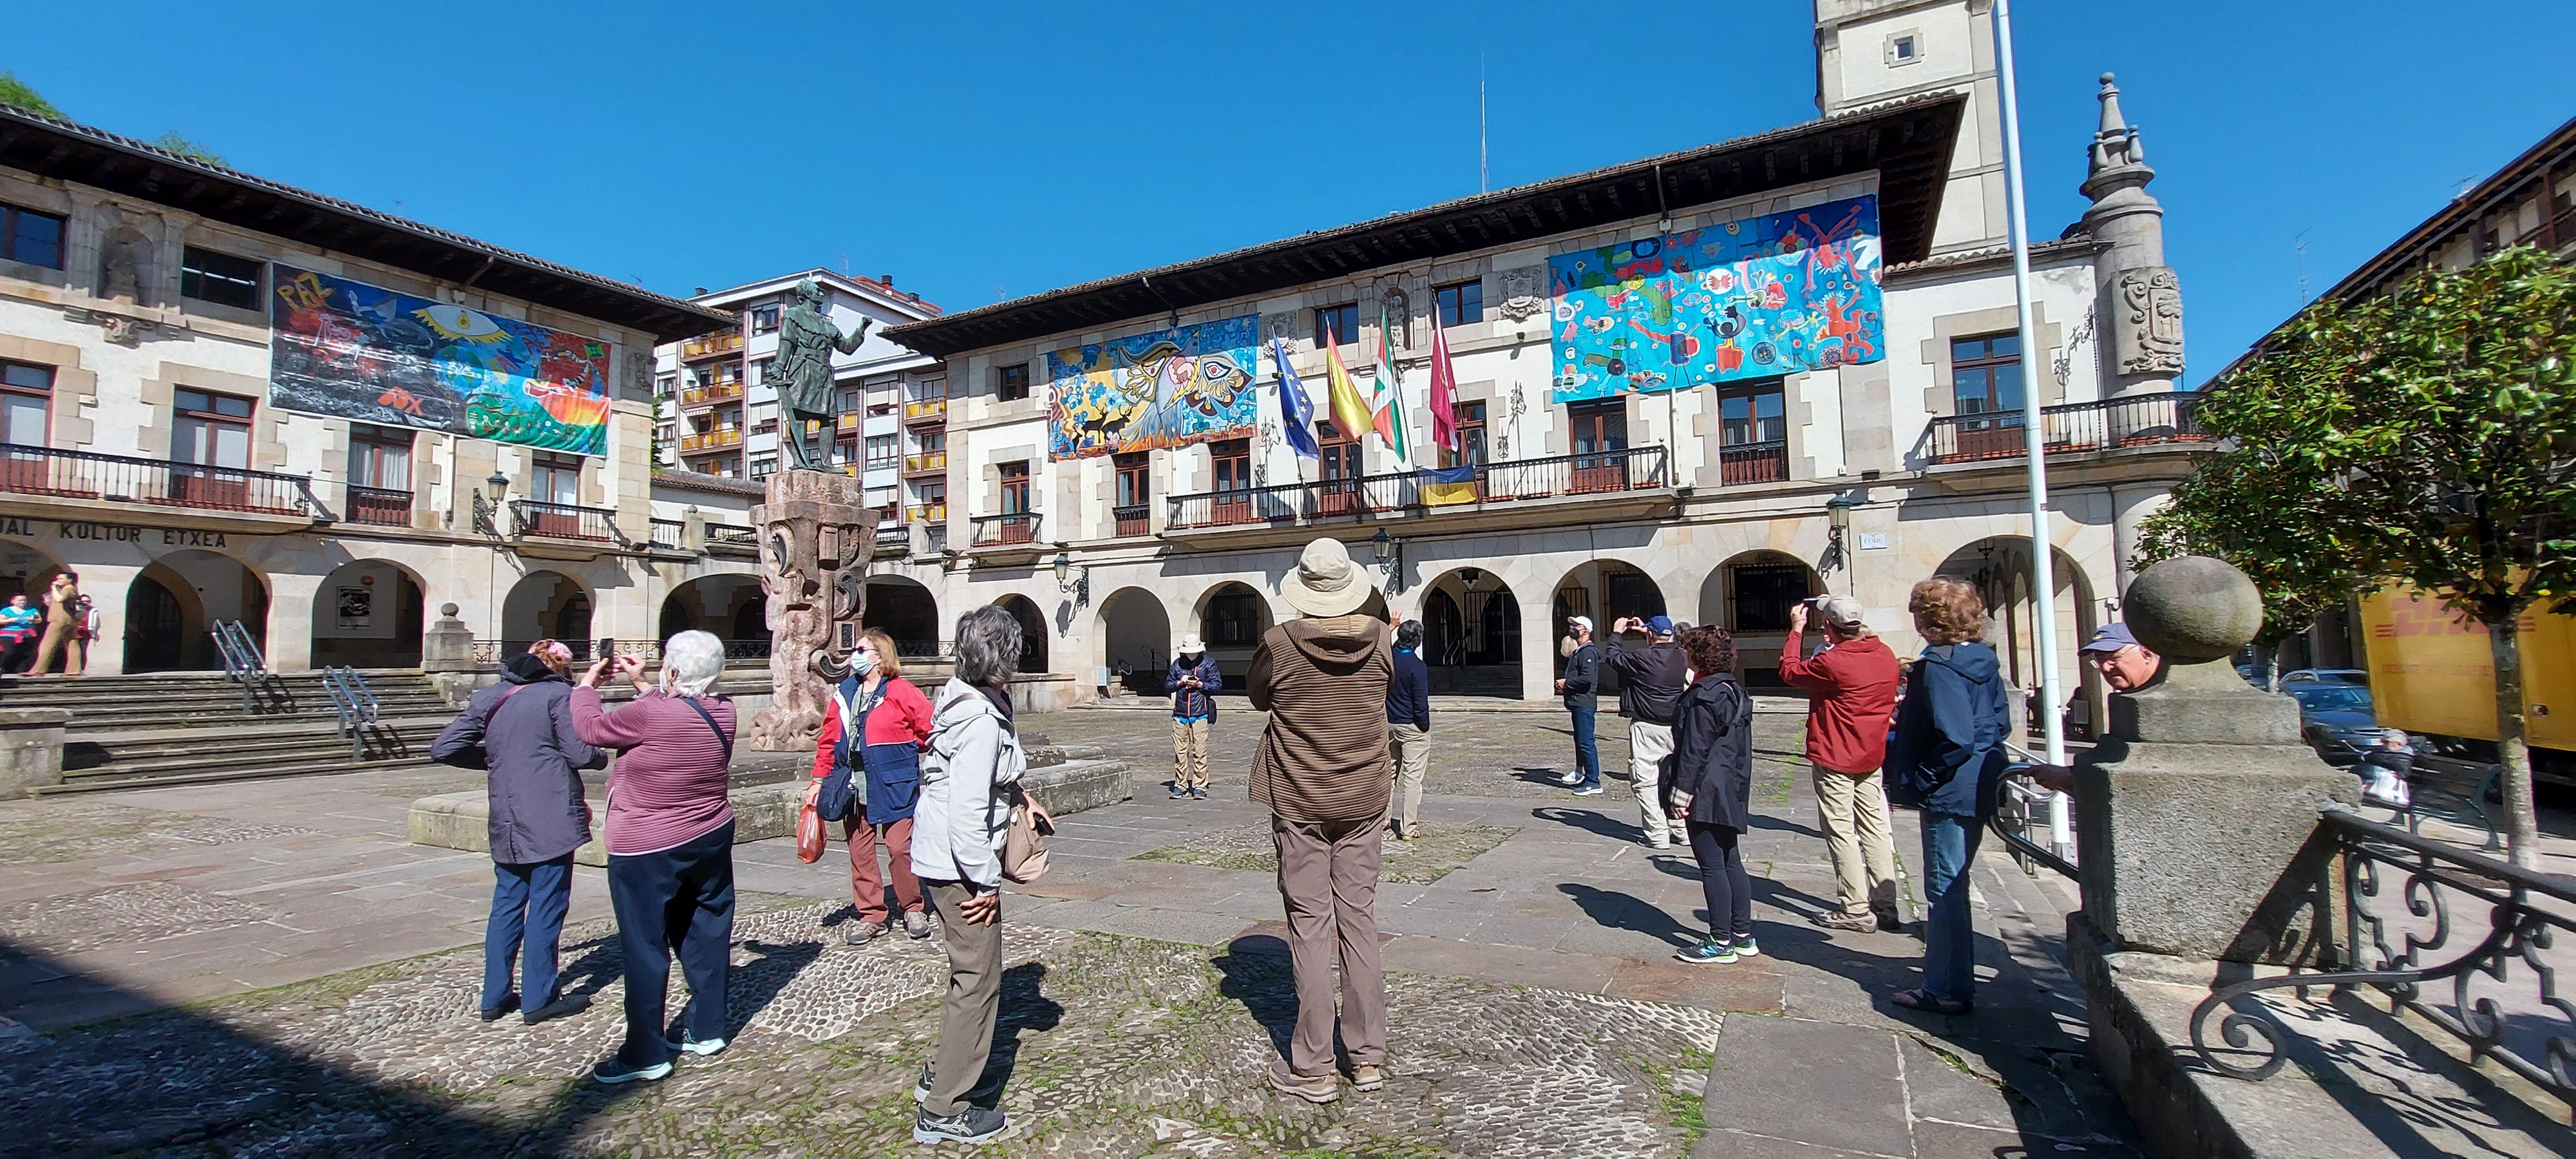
1583	622
1659	625
1325	582
2110	638
1840	611
1190	645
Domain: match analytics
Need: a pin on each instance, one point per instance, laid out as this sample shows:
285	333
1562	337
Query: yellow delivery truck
2432	675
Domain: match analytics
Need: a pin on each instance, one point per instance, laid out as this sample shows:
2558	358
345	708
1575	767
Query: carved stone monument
816	533
802	373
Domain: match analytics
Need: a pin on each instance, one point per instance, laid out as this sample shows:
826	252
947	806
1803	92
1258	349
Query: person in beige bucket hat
1193	682
1322	772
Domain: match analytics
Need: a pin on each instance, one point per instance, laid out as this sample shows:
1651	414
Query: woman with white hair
670	846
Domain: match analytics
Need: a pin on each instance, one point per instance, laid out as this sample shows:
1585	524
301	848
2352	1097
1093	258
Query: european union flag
1296	411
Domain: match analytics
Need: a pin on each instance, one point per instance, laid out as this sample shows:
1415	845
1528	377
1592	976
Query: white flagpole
2061	821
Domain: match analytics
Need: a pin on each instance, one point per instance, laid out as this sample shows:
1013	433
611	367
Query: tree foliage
2265	516
17	92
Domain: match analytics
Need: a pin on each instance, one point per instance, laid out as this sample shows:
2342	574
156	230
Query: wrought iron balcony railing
1746	463
60	474
2136	420
379	506
1006	530
1135	520
1516	480
667	534
566	521
894	538
728	537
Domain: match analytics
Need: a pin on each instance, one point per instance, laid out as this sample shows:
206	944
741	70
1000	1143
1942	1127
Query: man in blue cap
1651	682
2125	664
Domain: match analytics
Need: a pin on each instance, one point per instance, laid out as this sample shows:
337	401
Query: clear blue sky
979	151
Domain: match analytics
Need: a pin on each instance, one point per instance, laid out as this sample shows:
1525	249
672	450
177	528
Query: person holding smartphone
1192	681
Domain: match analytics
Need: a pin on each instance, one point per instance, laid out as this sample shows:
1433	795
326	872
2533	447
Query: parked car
2335	718
2329	675
2253	674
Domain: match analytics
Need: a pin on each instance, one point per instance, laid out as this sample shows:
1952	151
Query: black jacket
1650	680
1582	677
1408	696
1712	757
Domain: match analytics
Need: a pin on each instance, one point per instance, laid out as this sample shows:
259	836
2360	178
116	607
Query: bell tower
1870	52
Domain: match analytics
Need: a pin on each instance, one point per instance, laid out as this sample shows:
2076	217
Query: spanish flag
1350	411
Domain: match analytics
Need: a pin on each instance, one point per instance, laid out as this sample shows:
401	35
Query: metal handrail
527	516
242	660
989	529
1616	471
667	533
2099	425
381	506
32	470
354	703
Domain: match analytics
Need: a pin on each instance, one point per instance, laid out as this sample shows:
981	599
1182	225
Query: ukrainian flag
1446	486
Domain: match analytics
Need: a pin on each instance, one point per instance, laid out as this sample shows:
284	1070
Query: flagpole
2061	821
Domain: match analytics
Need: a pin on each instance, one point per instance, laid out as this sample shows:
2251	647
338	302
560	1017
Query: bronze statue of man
802	373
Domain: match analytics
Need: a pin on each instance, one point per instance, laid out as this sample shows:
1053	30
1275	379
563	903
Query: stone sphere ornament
2192	608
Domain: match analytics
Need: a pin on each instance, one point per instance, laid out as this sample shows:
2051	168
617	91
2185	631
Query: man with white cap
1322	772
1851	694
1580	684
1192	681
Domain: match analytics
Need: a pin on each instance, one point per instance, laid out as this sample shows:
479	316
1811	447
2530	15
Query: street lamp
1066	581
1390	555
1384	545
487	504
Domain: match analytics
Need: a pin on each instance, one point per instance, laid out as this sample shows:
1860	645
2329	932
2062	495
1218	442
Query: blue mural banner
351	350
1167	388
1762	296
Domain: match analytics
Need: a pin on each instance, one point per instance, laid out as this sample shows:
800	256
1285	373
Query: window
1598	426
380	457
663	386
845	401
1233	619
26	403
1231	465
934	388
1752	433
1461	303
211	430
1985	374
762	365
1015	487
219	278
764	320
31	237
764	465
1337	325
932	442
1340	457
845	451
1470	420
763	416
884	450
1011	383
1904	48
931	494
1764	593
557	479
1135	493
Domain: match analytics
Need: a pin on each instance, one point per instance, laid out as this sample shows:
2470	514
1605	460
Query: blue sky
976	151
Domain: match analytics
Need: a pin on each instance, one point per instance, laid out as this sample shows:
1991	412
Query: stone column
108	585
816	534
31	749
2139	298
447	656
2130	506
290	621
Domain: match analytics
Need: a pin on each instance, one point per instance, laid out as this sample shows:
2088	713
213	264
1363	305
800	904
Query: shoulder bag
460	744
1024	851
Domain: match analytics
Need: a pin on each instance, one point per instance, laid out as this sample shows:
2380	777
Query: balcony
668	534
927	513
728	540
1746	463
1019	528
380	507
2138	420
1135	520
1518	491
848	421
926	410
77	485
721	438
702	397
894	539
711	346
933	463
565	531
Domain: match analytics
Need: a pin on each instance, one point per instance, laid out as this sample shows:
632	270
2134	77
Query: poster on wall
350	350
1762	296
357	608
1168	388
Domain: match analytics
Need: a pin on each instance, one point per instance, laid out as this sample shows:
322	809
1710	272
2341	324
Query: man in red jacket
1851	692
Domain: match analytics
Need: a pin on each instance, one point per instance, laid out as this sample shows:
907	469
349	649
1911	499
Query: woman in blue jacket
1946	758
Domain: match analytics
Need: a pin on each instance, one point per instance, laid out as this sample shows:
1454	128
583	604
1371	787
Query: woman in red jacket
884	764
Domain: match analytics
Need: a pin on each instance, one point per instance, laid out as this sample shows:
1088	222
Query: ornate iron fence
2132	421
1004	530
1584	473
30	470
667	534
567	521
2418	912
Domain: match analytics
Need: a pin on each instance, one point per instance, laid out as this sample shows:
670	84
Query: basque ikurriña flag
1296	411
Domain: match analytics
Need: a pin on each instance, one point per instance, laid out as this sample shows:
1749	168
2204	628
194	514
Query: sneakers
971	1124
612	1072
1893	923
921	1089
509	1005
1314	1090
865	932
1179	793
1658	841
1588	791
1367	1078
1198	794
568	1004
1709	952
916	924
1745	947
1838	920
1570	780
687	1043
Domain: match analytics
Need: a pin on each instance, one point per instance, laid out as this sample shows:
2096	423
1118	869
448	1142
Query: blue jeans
1949	930
1587	754
528	905
679	899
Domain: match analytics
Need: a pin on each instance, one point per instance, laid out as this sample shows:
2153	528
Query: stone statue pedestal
447	658
816	534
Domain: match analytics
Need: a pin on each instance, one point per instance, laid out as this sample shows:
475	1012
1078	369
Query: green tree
2266	517
2438	423
184	147
17	92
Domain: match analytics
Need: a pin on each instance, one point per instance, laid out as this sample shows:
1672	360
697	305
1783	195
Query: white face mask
862	665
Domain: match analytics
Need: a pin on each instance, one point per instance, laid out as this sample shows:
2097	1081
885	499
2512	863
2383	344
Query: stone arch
177	598
906	611
729	604
1471	625
1602	590
25	569
1135	640
1033	630
368	613
1231	617
1752	594
547	605
2000	566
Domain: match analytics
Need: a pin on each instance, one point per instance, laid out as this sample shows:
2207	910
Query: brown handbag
1024	851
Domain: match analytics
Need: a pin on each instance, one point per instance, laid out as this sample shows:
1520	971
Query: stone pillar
31	749
2139	299
290	621
447	656
2130	506
108	585
816	534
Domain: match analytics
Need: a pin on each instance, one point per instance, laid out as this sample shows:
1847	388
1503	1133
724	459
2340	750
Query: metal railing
1746	463
711	345
720	438
894	538
378	506
1586	473
1134	520
30	470
245	665
925	408
1005	530
726	535
2133	421
925	463
355	705
2400	933
693	397
667	534
566	521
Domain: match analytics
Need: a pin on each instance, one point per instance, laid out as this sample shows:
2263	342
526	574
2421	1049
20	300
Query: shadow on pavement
1257	974
1586	820
1784	825
1024	1007
1622	912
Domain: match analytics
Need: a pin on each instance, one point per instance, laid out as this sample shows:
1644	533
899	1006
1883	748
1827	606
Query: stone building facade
145	449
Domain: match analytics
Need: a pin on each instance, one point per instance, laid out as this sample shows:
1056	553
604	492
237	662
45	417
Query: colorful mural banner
1776	294
350	350
1167	388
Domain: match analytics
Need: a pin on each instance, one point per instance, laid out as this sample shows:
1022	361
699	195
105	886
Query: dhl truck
2432	676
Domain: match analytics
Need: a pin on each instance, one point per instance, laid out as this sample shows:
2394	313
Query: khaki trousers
973	1004
1189	754
1409	750
1852	810
1648	745
1328	883
60	638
